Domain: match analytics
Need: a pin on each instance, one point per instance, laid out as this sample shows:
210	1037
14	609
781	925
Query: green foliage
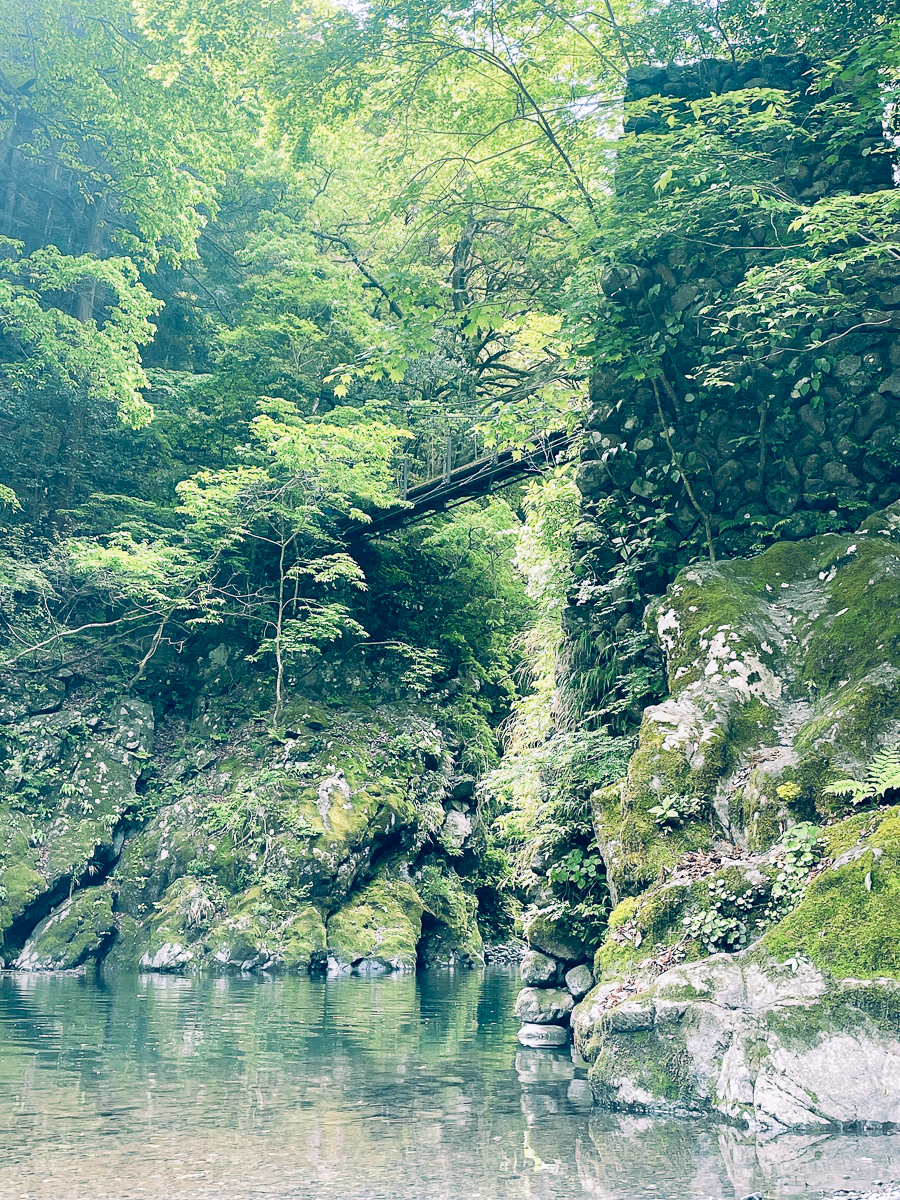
882	776
845	921
798	852
579	868
144	146
42	346
365	246
675	809
445	596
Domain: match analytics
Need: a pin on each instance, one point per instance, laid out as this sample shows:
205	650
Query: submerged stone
543	1036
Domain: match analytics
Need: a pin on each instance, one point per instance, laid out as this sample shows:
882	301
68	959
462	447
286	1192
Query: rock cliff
201	840
751	965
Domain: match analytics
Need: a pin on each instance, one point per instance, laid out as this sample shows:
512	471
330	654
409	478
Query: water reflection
352	1088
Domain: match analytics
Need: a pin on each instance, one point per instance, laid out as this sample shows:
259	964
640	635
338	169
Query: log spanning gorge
526	827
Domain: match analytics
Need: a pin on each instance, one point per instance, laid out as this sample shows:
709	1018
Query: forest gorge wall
750	965
794	444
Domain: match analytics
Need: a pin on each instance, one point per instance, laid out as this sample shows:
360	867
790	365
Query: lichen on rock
784	671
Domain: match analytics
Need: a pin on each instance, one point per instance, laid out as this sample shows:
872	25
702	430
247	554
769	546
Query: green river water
409	1088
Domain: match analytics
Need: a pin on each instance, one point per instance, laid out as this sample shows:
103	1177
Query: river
393	1088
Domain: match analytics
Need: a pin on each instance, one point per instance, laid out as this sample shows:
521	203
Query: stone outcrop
777	1046
224	848
752	962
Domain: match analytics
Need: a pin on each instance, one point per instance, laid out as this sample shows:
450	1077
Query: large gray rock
545	933
779	1046
580	980
537	968
544	1006
541	1037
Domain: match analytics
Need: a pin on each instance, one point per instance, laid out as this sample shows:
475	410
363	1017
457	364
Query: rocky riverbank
751	964
140	840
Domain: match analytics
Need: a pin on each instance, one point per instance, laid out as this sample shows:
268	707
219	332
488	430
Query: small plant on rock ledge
579	867
717	927
799	851
674	809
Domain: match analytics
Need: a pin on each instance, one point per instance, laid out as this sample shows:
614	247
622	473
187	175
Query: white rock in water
544	1006
169	957
777	1045
540	1036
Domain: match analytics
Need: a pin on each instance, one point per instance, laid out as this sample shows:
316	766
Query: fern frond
854	788
884	771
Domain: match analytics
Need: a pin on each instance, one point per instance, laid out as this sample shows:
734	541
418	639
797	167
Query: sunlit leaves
42	343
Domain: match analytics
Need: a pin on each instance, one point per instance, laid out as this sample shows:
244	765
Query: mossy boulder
544	1006
553	935
197	925
159	854
782	669
777	1046
450	933
666	922
378	929
280	829
76	931
25	697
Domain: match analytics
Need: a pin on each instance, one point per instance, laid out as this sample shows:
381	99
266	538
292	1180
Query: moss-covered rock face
547	933
784	673
76	932
70	787
782	668
848	921
230	847
378	930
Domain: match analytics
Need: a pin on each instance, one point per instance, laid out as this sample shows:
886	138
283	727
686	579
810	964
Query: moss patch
379	927
847	922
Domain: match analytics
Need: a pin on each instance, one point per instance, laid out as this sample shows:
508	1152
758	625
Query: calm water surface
406	1088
